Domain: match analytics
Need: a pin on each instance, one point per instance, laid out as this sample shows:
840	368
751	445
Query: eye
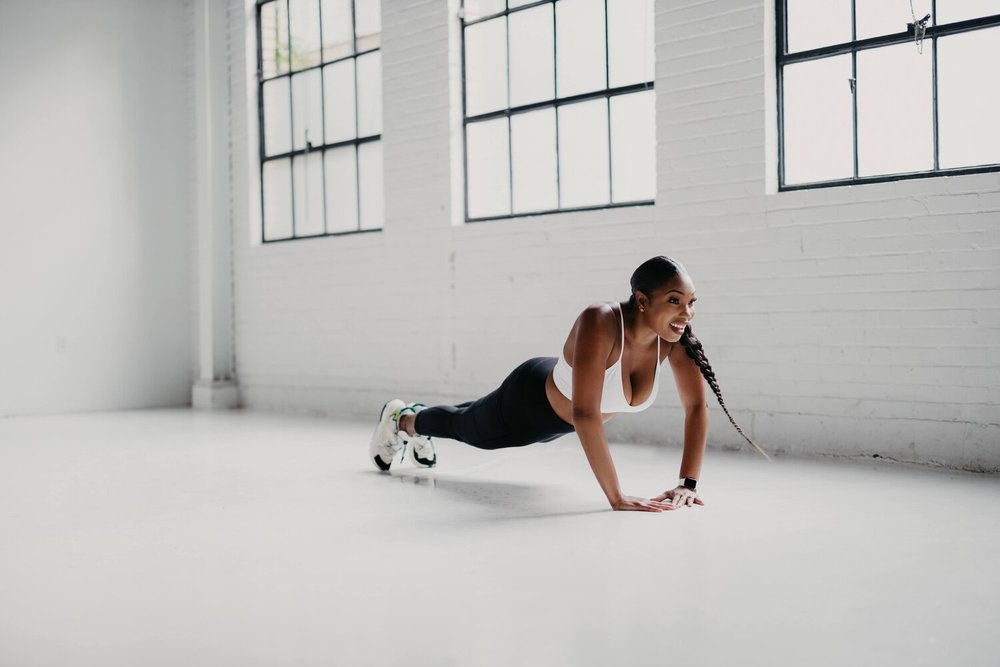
673	300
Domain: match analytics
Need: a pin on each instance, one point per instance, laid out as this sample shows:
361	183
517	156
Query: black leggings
515	414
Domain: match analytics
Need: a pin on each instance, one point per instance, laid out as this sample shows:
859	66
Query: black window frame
555	103
933	31
322	148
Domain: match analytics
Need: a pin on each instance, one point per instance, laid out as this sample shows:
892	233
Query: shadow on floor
517	501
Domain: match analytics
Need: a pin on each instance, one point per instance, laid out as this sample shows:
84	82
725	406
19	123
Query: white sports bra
613	394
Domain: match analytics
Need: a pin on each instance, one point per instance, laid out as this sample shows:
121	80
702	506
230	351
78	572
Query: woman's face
669	308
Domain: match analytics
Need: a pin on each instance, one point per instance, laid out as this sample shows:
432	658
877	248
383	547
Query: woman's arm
695	437
691	389
593	344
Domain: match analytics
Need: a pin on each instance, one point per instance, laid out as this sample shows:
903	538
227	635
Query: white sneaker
386	442
421	446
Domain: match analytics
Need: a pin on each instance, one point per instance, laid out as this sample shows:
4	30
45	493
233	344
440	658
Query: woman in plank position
610	363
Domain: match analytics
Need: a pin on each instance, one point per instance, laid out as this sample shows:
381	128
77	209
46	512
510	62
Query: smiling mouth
679	328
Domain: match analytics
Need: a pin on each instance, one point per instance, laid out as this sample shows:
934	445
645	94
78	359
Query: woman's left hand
680	497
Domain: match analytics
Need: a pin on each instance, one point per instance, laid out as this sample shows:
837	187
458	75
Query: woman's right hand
635	503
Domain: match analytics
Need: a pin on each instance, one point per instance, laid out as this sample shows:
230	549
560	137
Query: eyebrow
676	290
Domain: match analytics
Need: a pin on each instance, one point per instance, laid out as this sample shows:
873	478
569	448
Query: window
319	73
873	91
558	105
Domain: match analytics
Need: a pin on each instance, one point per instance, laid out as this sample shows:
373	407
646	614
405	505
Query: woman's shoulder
595	328
600	315
602	309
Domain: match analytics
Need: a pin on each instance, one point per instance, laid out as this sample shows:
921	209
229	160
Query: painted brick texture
846	321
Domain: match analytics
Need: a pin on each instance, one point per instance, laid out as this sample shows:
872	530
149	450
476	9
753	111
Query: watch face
690	483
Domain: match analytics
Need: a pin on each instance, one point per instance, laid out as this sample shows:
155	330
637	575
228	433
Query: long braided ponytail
650	275
694	350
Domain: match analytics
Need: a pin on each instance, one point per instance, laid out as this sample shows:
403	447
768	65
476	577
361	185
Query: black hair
652	274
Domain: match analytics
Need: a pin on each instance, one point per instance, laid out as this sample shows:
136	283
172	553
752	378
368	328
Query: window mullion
291	106
934	88
510	137
607	85
465	137
322	103
260	114
854	83
357	126
780	39
555	95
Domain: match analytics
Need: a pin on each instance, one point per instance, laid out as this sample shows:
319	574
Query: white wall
95	289
846	321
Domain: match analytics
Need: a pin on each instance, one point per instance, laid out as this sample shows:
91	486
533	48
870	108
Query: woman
610	363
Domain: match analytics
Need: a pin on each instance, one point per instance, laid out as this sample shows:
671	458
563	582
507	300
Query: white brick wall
846	321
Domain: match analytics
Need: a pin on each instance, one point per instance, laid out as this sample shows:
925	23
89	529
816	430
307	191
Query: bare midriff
562	405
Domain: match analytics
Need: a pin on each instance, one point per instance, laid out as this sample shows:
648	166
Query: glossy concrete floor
177	537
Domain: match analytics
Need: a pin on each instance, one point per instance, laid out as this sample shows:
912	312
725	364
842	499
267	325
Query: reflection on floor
177	537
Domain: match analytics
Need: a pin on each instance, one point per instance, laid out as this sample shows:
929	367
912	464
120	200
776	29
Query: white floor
176	537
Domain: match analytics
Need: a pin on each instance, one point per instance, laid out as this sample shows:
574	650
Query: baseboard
215	395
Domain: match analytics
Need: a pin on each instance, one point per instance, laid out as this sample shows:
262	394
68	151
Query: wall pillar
215	386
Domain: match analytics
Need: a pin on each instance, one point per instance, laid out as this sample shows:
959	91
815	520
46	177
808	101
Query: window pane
968	104
818	126
531	67
885	17
304	17
580	46
277	117
338	33
486	66
949	11
368	20
341	190
814	24
533	149
895	120
369	94
630	42
583	153
307	173
372	199
307	109
274	38
476	9
488	172
519	3
338	86
633	147
277	193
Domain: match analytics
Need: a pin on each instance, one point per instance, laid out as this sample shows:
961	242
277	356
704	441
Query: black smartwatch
689	483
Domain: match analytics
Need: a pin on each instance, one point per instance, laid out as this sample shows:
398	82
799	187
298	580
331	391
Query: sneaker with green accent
386	441
421	446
